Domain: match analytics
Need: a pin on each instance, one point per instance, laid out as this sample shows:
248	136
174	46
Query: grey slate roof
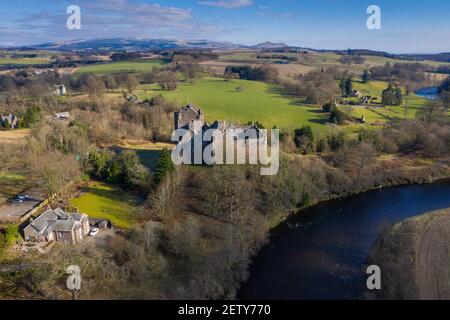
56	220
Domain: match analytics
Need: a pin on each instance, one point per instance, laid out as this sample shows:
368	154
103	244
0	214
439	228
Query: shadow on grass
323	121
280	91
317	111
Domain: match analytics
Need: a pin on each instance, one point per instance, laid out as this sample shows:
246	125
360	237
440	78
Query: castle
193	119
212	138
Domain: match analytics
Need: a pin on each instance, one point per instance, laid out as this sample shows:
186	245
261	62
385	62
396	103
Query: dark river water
321	252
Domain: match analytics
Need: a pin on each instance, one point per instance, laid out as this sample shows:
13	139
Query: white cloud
108	19
227	4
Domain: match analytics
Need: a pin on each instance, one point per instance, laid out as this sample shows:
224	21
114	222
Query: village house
60	90
132	98
57	225
64	116
10	120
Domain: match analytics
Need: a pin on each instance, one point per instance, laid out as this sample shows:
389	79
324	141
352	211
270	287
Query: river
321	252
431	93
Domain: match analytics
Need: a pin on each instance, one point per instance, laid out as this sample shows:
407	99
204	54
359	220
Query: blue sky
407	25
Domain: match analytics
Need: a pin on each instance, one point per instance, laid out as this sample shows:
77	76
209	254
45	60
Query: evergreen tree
346	86
349	86
165	166
366	76
342	87
31	116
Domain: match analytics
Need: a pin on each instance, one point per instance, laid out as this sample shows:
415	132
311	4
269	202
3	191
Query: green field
267	104
319	60
23	61
408	109
258	101
103	201
372	88
135	66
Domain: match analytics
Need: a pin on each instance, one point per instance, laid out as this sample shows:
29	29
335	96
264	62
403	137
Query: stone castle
193	119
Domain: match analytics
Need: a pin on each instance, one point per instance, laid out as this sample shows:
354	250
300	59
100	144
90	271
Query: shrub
338	117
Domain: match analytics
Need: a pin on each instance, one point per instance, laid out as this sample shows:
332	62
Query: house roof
62	114
42	222
56	220
65	225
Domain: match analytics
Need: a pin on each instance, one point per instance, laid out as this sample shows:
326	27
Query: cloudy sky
407	25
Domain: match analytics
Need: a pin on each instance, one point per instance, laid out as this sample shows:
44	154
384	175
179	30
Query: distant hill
132	44
270	45
135	44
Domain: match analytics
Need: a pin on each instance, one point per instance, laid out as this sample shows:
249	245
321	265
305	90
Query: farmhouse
60	90
132	98
62	116
57	225
10	121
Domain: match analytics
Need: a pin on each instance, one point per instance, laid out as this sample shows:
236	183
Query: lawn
257	101
103	201
135	66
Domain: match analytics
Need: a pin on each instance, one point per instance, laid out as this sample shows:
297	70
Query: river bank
414	258
403	176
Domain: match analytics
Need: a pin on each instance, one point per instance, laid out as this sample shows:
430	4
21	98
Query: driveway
14	211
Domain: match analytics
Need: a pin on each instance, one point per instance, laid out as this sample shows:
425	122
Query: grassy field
372	88
307	62
258	101
14	136
114	67
266	103
408	109
23	61
103	201
11	183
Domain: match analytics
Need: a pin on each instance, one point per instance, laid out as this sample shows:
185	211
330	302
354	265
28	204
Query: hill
133	44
